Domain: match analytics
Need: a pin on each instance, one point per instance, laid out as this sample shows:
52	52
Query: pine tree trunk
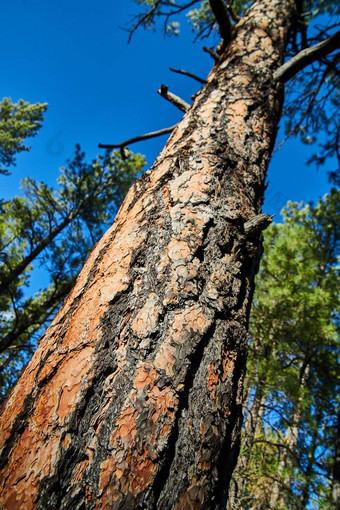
133	398
309	471
281	488
336	469
253	424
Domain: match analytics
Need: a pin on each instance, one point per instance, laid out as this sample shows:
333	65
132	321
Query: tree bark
133	398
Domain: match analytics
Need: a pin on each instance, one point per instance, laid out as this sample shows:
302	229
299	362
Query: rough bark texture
133	399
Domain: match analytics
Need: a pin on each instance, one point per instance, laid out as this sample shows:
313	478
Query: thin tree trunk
252	425
281	486
20	268
254	417
310	464
33	321
336	470
133	399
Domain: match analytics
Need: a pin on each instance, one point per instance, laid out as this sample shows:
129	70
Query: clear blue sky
73	55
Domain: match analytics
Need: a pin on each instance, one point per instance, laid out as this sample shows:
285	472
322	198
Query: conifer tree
18	121
292	382
133	398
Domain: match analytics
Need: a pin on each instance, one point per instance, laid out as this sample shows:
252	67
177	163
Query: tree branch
177	101
147	18
306	57
191	75
233	15
26	261
307	111
256	224
222	18
139	138
143	19
212	53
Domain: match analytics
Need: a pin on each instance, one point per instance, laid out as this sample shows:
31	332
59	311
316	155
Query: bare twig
177	101
306	57
139	138
143	18
212	53
323	32
147	18
191	75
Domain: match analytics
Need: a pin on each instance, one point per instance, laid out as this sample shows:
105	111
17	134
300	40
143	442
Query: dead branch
256	224
306	57
139	138
212	53
191	75
147	18
177	101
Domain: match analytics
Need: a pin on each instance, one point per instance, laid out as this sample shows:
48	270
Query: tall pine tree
133	398
292	379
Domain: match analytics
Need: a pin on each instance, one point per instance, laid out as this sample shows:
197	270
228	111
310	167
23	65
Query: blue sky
73	55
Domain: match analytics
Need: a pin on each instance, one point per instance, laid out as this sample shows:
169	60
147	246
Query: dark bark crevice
232	441
18	428
27	409
54	491
194	360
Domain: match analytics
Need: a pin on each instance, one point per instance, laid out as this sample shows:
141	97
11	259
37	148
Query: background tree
17	122
292	381
133	397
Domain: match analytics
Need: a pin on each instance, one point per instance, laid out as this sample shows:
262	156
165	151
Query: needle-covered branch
232	13
175	100
306	57
139	138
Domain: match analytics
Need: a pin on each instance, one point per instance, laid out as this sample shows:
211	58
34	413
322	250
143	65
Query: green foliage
203	22
53	231
201	17
293	362
17	122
